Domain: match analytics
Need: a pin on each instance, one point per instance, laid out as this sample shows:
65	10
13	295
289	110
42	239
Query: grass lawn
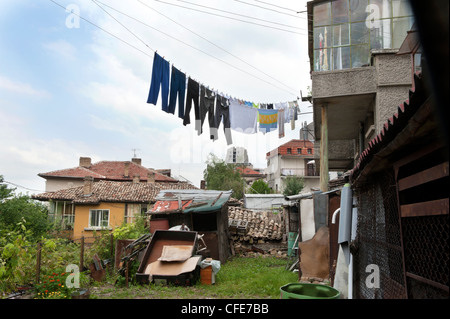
238	278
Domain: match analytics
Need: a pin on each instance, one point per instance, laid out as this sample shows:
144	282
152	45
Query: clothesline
235	114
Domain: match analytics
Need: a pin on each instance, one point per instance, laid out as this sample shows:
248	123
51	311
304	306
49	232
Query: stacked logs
260	226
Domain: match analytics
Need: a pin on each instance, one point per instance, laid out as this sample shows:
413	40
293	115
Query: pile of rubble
263	250
246	225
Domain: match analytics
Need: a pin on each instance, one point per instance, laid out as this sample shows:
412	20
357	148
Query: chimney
87	186
85	162
151	177
126	172
137	160
136	178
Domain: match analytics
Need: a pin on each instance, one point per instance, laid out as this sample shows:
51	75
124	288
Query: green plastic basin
308	291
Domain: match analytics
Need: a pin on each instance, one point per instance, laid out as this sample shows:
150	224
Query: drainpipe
346	232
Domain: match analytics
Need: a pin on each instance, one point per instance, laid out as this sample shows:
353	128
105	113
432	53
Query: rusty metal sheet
165	206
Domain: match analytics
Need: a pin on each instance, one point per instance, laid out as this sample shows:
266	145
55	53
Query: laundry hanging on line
234	114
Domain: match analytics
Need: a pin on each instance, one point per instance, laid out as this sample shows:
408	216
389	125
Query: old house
357	78
377	117
202	211
249	174
294	158
102	205
120	171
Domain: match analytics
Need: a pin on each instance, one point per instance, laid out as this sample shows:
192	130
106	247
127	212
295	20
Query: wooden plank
418	154
428	175
434	207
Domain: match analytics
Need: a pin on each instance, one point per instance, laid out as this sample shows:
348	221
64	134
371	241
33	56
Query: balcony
310	171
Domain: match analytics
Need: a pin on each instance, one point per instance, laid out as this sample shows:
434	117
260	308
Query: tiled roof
393	125
109	170
248	171
294	144
111	191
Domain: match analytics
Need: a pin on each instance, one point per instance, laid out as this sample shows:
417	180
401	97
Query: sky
75	77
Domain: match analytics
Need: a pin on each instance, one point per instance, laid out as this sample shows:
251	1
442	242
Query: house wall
393	78
116	217
52	185
277	163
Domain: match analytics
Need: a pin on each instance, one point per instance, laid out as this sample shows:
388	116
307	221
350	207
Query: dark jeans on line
177	86
223	111
207	99
160	77
192	95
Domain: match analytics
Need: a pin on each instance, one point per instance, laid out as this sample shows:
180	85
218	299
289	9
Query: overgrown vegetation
219	175
23	235
293	185
260	187
238	278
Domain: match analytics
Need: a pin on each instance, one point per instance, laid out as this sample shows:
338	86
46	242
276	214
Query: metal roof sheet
188	201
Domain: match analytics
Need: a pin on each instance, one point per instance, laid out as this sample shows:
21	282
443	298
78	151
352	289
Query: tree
219	175
293	185
260	187
5	192
18	208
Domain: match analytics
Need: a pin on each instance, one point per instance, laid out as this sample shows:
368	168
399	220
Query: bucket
308	291
291	240
207	276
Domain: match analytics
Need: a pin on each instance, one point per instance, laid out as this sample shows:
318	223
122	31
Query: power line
136	48
200	50
17	185
274	5
111	34
219	15
217	46
250	4
94	1
241	15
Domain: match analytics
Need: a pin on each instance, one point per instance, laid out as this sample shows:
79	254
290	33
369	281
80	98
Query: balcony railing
310	171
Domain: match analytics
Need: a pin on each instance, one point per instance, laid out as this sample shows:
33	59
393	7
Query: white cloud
21	88
65	50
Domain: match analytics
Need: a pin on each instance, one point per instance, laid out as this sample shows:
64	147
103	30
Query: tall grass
238	278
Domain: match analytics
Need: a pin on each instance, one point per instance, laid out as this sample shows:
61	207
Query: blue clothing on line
160	77
177	86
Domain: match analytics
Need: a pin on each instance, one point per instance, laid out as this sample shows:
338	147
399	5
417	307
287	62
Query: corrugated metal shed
189	201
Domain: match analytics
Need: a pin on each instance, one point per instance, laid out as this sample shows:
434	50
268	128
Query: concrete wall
394	81
343	82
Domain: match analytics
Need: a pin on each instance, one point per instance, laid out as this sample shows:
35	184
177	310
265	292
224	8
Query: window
344	31
309	151
289	151
299	150
98	218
